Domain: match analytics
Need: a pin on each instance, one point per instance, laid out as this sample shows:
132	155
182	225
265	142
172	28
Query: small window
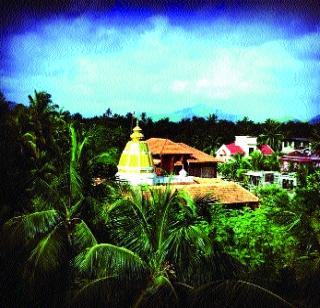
251	150
269	177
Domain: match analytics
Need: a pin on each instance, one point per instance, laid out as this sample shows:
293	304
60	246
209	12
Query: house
243	145
170	157
291	144
297	158
264	178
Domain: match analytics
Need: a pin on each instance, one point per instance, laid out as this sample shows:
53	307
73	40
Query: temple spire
137	135
136	164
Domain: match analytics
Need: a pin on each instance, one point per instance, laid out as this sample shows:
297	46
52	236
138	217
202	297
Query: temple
161	161
136	165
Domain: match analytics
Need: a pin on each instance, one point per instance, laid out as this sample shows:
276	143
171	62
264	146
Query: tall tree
53	231
162	242
272	134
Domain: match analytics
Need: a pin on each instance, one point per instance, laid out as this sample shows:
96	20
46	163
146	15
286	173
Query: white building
292	144
243	145
264	178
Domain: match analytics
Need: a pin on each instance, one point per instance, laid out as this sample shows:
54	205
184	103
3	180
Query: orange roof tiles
199	156
165	146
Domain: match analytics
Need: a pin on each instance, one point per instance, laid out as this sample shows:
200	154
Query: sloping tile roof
224	191
165	146
199	156
265	149
234	149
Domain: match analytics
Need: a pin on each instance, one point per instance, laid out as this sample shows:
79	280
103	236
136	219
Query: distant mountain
288	119
199	110
315	119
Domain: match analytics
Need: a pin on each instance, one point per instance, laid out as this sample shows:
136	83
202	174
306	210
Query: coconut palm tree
53	231
162	245
272	134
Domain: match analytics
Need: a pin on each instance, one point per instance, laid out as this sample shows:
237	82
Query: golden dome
136	164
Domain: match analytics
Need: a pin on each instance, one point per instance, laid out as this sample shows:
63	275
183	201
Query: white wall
246	142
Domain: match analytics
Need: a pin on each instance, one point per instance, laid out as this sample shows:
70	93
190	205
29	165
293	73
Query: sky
227	57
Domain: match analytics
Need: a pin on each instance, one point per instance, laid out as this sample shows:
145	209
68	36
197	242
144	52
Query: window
269	177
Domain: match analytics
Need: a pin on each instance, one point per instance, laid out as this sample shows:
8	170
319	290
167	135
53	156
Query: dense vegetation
68	242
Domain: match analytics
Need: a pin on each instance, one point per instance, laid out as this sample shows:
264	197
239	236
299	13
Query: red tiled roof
199	156
234	149
165	146
265	149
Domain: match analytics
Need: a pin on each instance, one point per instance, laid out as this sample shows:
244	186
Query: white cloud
109	65
179	85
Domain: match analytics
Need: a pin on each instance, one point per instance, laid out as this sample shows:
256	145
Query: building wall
223	153
208	170
248	144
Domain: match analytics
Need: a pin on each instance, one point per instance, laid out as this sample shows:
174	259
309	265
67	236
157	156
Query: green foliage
252	238
144	247
102	260
272	134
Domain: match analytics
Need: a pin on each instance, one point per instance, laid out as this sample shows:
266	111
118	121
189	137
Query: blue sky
259	65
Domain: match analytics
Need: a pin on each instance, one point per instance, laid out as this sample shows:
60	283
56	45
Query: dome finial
137	135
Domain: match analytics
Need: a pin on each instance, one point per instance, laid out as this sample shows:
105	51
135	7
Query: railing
173	179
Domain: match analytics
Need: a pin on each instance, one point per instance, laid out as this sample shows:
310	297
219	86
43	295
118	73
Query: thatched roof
223	191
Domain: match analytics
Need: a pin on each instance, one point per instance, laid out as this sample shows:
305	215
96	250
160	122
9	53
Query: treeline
66	241
208	134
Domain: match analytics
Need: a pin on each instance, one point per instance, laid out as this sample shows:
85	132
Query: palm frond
94	293
106	291
76	207
187	242
129	220
236	293
74	143
75	182
47	256
25	227
107	259
49	194
82	236
74	176
162	201
80	147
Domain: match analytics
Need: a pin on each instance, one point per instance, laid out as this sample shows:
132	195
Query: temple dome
135	164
